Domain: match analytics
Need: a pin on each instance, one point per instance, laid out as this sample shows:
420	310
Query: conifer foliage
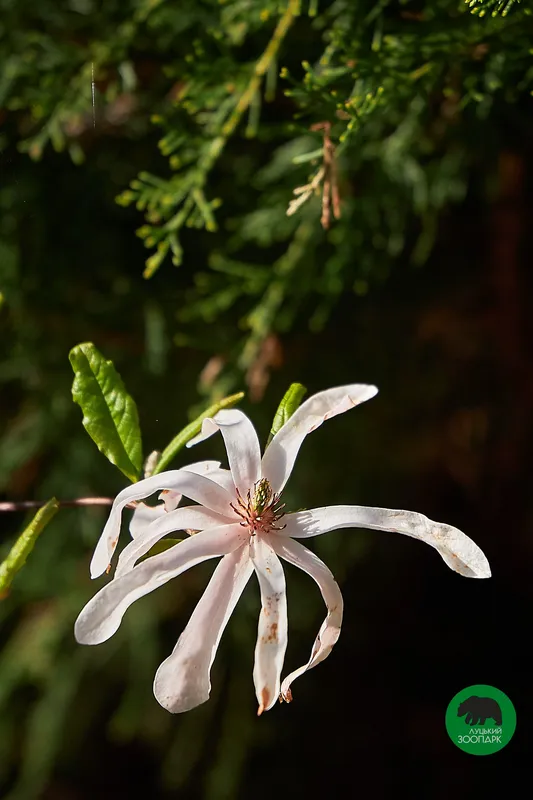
361	119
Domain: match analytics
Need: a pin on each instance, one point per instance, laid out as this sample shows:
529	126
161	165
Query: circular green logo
480	720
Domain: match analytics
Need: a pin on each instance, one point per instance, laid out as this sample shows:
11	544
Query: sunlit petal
281	453
242	445
183	679
272	630
194	518
103	614
458	551
224	478
172	499
143	516
195	487
301	557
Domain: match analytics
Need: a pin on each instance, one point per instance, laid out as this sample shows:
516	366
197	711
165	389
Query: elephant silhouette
479	709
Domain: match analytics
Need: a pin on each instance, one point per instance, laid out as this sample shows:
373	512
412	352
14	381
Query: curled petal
183	679
195	487
224	478
272	631
242	445
281	453
143	516
301	557
170	500
102	615
202	467
196	518
458	551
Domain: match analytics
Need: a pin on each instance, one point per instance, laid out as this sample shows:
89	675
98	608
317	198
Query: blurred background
423	287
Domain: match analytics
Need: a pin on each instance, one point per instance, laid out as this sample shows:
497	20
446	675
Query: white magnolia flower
240	517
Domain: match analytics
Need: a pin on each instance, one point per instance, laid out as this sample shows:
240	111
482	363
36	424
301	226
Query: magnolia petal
172	499
272	631
196	518
242	445
102	615
224	478
183	679
195	487
143	516
202	467
458	551
281	453
301	557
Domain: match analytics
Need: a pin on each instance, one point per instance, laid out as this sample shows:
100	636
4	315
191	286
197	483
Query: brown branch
330	192
25	505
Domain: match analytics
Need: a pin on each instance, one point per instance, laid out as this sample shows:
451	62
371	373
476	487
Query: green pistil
262	496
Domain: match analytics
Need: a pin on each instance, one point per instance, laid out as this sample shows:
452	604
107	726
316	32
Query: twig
330	194
327	175
260	70
303	193
25	505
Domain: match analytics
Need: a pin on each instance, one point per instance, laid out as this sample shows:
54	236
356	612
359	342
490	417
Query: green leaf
25	543
192	430
109	413
160	547
289	403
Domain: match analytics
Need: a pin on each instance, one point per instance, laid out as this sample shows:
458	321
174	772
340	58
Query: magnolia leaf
25	543
289	403
160	547
191	430
109	413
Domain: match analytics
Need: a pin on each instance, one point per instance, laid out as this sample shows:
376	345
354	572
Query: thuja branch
261	68
180	201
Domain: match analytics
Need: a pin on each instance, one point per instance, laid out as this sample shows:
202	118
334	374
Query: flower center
260	510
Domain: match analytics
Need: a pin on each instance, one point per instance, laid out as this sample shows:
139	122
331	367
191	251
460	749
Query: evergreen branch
261	319
185	191
492	7
261	68
72	109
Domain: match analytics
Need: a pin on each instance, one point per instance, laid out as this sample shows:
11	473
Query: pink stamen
263	519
